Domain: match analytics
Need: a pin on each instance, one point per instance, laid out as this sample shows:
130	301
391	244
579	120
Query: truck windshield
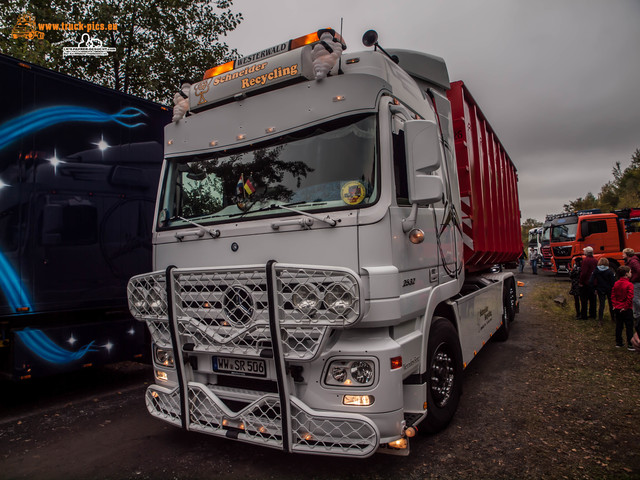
546	235
565	232
331	166
533	239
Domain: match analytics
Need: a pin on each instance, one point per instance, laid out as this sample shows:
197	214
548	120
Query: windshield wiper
215	233
273	206
305	224
287	206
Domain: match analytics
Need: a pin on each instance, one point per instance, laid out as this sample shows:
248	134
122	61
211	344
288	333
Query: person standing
622	298
602	280
631	261
574	275
533	260
587	294
521	260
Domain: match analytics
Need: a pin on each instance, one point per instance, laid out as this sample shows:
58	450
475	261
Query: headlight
145	300
164	356
155	299
362	372
339	373
338	298
351	373
137	299
306	298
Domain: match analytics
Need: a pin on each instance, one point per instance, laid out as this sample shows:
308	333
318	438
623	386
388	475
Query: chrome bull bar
253	312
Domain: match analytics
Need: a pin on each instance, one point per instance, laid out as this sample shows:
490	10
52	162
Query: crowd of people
595	285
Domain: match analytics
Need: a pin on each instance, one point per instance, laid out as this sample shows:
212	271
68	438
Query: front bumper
261	422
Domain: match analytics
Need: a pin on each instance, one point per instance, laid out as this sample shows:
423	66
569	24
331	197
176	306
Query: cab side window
400	168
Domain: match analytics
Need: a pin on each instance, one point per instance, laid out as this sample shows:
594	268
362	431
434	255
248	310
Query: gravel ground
557	400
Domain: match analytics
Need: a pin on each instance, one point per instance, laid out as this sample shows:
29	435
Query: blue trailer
79	169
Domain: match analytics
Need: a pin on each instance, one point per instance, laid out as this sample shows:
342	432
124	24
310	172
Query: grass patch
587	391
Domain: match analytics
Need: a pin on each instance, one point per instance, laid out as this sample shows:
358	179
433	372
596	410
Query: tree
629	184
157	43
586	203
621	192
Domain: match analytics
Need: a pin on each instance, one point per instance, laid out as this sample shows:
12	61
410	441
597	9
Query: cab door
600	234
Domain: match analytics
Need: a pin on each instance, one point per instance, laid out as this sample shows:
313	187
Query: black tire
508	311
444	375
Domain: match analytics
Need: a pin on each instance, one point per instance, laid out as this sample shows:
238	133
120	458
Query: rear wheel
444	371
508	311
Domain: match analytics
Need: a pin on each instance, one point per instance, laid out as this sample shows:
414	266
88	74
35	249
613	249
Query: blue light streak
12	130
16	128
45	348
12	286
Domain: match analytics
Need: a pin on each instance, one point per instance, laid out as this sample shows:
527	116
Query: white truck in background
322	247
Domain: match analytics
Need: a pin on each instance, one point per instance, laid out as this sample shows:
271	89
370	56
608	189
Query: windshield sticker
352	193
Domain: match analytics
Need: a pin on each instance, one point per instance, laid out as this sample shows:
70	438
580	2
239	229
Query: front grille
226	311
562	251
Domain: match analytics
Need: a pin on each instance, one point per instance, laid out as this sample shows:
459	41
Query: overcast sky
559	80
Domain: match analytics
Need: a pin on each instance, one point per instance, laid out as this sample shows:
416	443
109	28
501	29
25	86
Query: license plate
240	366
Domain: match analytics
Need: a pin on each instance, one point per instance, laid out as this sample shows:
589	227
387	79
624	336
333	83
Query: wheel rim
442	374
508	306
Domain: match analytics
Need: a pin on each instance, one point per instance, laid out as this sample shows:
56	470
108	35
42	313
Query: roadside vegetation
587	397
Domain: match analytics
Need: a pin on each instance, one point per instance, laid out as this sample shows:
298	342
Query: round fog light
338	299
306	298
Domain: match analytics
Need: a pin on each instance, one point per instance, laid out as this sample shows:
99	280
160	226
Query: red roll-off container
488	186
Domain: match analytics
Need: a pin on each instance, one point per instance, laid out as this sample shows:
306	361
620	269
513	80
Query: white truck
535	238
322	253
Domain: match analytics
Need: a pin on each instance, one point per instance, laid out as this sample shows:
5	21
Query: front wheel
444	370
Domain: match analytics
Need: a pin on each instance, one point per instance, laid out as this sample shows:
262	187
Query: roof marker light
220	69
304	40
309	39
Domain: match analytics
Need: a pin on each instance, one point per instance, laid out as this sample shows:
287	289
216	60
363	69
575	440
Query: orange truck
607	233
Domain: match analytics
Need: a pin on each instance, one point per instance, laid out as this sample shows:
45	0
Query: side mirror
424	156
